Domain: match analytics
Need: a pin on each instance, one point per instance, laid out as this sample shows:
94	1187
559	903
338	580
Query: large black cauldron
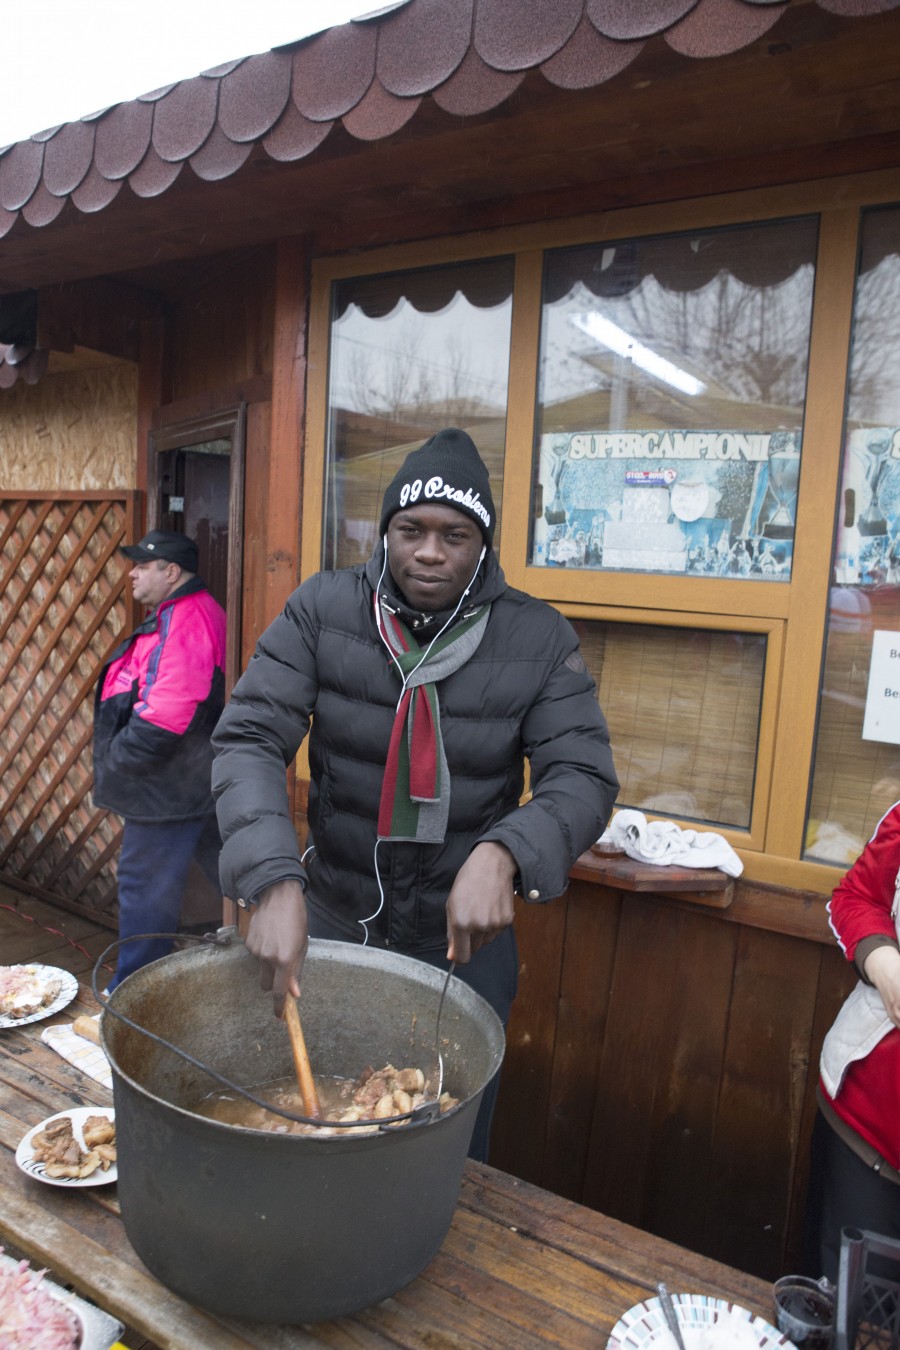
276	1227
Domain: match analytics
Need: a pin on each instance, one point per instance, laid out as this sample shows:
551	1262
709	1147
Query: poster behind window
868	535
704	503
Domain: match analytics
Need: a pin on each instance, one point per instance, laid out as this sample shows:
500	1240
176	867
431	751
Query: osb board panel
222	328
70	432
62	609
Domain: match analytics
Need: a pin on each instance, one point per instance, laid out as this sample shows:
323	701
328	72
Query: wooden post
152	393
288	415
285	461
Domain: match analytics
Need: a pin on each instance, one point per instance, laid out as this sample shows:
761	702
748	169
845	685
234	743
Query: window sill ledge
700	886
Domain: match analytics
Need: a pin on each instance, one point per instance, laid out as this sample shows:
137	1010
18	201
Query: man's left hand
481	902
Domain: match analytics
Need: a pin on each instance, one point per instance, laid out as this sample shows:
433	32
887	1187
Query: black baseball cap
167	545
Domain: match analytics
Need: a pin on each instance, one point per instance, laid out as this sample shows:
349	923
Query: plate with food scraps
30	993
706	1324
35	1158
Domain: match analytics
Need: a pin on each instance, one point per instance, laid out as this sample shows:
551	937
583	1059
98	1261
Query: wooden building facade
649	256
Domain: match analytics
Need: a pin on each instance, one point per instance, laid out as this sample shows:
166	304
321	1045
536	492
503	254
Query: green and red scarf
415	794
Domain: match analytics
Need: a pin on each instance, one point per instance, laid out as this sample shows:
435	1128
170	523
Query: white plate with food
30	993
706	1324
73	1148
29	1299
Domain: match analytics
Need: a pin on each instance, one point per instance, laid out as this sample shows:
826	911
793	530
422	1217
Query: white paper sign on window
882	716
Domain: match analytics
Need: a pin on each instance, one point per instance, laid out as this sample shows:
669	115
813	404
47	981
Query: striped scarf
415	794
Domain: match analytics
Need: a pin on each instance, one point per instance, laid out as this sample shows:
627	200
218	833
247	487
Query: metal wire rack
867	1309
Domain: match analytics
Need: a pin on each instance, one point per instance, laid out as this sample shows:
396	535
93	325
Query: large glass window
671	398
856	774
683	711
411	352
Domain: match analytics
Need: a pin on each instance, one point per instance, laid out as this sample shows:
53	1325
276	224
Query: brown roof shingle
469	55
368	77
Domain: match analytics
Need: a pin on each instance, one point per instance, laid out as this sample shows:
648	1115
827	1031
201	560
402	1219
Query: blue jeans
493	972
153	870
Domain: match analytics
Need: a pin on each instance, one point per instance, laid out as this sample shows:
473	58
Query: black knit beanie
446	471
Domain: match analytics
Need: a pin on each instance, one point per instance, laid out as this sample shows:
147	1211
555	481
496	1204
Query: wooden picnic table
519	1266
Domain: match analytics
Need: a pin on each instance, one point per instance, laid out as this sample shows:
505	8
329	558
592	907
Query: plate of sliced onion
36	1311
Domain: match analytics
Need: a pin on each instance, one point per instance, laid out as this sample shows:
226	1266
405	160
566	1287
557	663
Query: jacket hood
490	583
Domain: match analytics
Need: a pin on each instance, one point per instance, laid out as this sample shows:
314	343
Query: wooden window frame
793	614
773	629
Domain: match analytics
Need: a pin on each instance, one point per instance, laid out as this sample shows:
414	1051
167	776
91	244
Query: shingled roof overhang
440	112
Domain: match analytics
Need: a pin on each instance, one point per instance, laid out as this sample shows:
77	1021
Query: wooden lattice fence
63	606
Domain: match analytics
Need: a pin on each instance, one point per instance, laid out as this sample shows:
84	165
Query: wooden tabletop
519	1267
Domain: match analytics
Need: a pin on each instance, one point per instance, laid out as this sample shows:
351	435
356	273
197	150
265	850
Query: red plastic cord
54	932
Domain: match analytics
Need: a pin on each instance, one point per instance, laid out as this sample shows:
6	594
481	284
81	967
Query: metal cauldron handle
423	1114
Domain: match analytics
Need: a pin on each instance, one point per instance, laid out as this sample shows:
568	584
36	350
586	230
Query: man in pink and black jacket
159	697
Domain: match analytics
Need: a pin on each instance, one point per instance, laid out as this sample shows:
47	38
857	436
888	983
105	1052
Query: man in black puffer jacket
431	682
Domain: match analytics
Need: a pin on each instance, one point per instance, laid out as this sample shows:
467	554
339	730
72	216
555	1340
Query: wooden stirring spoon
305	1081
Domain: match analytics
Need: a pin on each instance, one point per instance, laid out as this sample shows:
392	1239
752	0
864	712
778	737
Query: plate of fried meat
72	1148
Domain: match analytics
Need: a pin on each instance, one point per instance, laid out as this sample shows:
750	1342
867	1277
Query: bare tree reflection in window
410	353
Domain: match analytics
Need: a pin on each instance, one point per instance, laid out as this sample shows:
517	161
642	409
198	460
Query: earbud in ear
475	573
384	541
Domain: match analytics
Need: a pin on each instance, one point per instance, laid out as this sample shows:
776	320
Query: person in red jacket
855	1160
159	697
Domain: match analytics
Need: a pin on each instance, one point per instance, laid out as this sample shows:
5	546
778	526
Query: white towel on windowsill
666	844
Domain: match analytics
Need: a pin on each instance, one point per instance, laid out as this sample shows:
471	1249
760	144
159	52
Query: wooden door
194	494
197	487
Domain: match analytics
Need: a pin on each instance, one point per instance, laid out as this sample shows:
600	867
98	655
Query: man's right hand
278	938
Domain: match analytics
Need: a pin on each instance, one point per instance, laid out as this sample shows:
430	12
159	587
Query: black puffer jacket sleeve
256	739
